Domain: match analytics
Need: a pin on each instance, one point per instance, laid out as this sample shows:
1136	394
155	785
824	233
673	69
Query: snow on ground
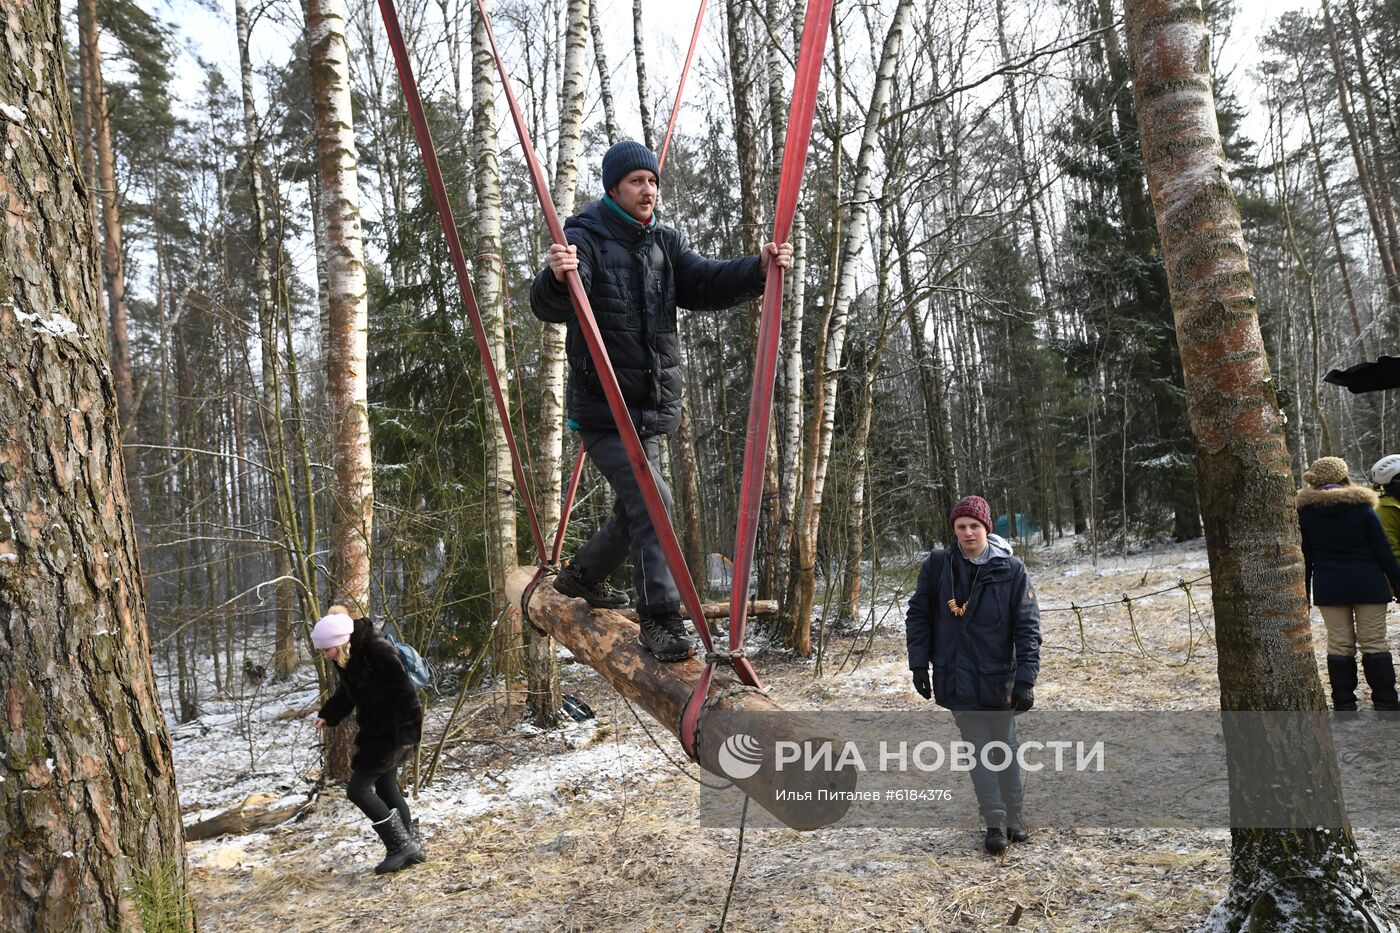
590	826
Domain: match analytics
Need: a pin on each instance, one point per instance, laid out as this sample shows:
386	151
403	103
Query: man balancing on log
635	272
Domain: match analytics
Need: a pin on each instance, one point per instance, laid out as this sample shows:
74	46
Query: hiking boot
1016	830
399	848
600	595
996	842
665	637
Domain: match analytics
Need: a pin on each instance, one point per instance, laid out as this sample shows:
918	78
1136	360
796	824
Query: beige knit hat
1326	470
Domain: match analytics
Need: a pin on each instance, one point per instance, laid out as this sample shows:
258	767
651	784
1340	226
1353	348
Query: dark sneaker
666	639
1016	830
600	595
996	840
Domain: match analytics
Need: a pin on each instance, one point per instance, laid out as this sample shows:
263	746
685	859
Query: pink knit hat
333	630
974	507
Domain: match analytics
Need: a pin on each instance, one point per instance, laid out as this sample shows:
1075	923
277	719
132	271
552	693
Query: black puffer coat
375	685
634	279
1346	557
976	658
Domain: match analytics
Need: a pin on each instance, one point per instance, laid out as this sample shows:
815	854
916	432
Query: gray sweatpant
629	533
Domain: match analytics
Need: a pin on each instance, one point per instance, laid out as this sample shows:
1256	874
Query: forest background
979	304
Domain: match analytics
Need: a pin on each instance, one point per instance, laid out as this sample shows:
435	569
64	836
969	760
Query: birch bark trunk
852	247
643	92
347	326
490	298
604	78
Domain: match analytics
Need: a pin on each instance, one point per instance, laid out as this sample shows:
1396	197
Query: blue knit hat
625	157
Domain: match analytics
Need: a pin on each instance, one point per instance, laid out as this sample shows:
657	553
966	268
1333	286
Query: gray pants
998	792
629	533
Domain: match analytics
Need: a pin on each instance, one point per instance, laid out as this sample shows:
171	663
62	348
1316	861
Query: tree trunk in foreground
87	792
1265	645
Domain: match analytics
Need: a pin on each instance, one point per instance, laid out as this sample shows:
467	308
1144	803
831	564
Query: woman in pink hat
372	682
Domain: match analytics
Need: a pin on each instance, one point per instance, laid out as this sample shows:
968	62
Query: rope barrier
1193	616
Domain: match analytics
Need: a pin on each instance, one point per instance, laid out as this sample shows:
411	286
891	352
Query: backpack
418	670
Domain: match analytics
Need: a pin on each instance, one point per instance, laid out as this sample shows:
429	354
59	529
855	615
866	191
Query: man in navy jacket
974	619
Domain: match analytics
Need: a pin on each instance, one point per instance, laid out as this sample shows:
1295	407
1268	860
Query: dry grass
630	857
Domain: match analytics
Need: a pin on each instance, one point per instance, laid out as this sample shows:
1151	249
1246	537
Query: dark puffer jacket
634	279
375	685
1346	556
976	658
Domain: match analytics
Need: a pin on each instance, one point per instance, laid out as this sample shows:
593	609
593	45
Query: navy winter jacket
635	277
977	658
376	687
1346	556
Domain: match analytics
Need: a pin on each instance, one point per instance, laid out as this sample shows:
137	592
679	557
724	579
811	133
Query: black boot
399	847
600	595
664	636
1016	830
1341	674
996	841
1380	676
417	834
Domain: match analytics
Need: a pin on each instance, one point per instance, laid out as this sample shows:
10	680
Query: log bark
757	607
250	816
607	642
87	790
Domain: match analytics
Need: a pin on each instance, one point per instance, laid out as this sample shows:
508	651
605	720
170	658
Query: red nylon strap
680	88
804	101
568	506
636	456
454	249
799	134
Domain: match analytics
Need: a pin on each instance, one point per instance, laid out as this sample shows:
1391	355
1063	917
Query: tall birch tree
490	297
823	417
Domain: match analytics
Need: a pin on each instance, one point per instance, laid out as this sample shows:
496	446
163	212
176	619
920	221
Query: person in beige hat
1351	575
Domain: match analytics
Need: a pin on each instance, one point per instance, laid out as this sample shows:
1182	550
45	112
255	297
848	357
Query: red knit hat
974	507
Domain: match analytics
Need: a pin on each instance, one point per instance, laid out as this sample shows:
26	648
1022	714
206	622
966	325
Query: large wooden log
757	607
607	642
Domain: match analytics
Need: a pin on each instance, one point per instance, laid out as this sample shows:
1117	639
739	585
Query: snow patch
56	325
13	113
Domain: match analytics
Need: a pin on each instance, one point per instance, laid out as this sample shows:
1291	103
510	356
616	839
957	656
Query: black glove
1022	696
921	682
